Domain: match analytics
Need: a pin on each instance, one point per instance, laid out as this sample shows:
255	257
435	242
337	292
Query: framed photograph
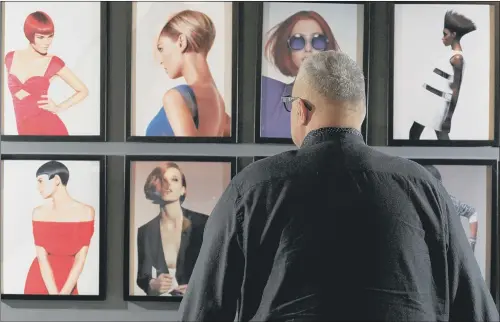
472	186
290	32
169	200
53	227
54	71
182	72
443	87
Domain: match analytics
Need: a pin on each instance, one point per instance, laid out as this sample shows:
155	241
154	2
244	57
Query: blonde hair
198	28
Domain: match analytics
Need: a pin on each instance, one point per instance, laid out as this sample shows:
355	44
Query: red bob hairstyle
277	50
38	22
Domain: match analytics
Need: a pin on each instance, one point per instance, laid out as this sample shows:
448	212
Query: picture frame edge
128	160
103	219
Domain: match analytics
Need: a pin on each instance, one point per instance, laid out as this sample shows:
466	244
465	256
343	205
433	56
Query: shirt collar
331	134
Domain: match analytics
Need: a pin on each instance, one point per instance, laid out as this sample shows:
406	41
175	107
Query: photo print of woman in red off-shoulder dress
56	240
51	70
62	231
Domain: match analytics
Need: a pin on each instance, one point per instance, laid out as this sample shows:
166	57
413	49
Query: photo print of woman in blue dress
181	69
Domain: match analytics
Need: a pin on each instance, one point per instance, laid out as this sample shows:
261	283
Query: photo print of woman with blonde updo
181	69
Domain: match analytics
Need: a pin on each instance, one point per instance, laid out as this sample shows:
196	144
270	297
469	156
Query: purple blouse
274	119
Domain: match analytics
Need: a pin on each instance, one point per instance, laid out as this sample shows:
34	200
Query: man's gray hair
335	76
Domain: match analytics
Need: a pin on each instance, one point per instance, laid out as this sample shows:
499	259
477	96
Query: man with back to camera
335	230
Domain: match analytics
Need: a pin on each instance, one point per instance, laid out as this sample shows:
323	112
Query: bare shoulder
39	213
84	212
457	60
172	99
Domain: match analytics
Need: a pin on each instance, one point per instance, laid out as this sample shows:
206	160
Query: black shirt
336	231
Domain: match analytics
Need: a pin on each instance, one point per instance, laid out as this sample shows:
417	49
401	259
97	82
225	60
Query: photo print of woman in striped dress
443	86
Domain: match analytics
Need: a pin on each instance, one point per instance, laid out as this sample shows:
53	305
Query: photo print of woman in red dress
29	74
62	231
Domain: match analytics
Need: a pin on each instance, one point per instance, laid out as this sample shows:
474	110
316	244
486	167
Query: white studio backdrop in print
150	81
418	30
469	183
20	196
345	20
77	41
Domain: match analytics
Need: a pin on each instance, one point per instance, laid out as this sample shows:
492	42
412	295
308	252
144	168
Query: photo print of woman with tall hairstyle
51	70
170	204
291	33
443	87
450	94
189	92
51	243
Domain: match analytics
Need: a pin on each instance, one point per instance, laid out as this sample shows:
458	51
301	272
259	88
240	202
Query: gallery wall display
53	227
472	186
443	87
182	72
290	32
169	200
54	71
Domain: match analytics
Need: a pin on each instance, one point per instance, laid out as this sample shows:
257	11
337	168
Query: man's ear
302	112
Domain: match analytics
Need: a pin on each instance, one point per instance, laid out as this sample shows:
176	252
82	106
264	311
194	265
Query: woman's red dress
62	241
30	118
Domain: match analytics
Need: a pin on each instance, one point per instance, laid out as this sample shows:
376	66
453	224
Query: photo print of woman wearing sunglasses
291	33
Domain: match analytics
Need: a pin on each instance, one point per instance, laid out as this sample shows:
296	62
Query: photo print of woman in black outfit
168	245
462	209
441	92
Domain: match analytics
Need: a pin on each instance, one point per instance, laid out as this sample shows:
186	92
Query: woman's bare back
211	110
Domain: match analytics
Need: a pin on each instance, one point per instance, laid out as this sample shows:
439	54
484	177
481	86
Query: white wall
418	30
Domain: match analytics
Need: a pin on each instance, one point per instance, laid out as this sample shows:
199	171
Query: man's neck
319	123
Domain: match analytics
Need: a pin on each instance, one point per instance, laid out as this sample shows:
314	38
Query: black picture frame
102	137
494	231
126	258
258	70
390	110
236	13
102	227
258	157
